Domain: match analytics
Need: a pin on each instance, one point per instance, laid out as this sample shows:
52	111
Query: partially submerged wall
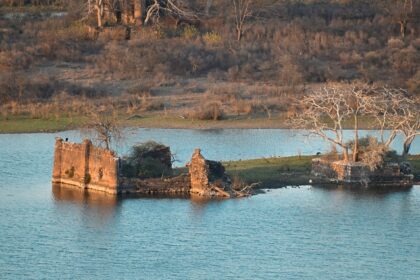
85	166
358	173
208	178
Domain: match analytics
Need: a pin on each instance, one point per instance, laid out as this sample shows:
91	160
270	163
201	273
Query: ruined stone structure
208	178
85	166
324	171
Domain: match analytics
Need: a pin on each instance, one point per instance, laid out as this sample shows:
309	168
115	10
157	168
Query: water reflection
361	191
84	197
94	208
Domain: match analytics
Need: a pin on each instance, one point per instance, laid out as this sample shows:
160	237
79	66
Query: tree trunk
208	6
390	139
99	10
139	11
239	34
403	28
356	140
346	154
407	146
98	14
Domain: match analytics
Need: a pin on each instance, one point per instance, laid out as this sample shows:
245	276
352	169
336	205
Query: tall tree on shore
385	107
177	8
242	11
324	111
410	111
402	12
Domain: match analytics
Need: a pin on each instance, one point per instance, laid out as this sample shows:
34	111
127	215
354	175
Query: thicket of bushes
147	160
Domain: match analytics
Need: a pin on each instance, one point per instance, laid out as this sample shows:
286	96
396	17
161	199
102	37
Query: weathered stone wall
199	172
102	168
356	172
208	179
85	166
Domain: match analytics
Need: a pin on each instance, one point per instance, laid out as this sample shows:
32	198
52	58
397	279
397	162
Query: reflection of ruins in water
94	207
374	192
199	204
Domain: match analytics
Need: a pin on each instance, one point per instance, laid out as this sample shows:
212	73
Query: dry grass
151	74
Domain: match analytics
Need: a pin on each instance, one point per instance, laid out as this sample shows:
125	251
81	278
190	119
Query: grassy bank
27	124
272	172
285	171
23	124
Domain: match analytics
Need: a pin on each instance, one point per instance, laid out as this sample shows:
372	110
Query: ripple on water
292	233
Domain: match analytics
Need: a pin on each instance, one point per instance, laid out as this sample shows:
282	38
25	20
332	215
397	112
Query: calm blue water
292	233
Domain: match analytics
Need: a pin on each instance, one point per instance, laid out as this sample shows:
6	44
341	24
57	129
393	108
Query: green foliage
147	160
152	168
272	172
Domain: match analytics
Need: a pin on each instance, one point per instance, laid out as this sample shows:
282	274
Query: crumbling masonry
87	167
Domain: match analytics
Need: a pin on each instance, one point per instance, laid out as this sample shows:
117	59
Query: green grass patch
272	172
21	124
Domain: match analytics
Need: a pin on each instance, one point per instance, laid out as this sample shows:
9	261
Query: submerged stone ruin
87	167
209	179
357	173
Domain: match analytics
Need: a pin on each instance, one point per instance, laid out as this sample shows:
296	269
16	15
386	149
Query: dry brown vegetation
61	66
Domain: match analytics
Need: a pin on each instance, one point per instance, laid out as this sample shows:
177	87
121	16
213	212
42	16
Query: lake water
290	233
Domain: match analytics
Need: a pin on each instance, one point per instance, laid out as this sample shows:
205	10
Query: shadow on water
362	191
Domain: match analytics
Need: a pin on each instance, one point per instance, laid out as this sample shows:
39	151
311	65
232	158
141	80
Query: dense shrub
208	111
147	160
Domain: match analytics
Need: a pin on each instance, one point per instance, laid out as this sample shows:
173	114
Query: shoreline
23	124
50	126
281	172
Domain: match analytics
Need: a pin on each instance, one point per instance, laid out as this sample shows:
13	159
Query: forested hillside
240	57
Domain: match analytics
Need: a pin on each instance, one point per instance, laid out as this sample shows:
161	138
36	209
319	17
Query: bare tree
104	129
241	13
99	6
396	110
384	106
323	112
410	126
356	104
401	11
176	8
